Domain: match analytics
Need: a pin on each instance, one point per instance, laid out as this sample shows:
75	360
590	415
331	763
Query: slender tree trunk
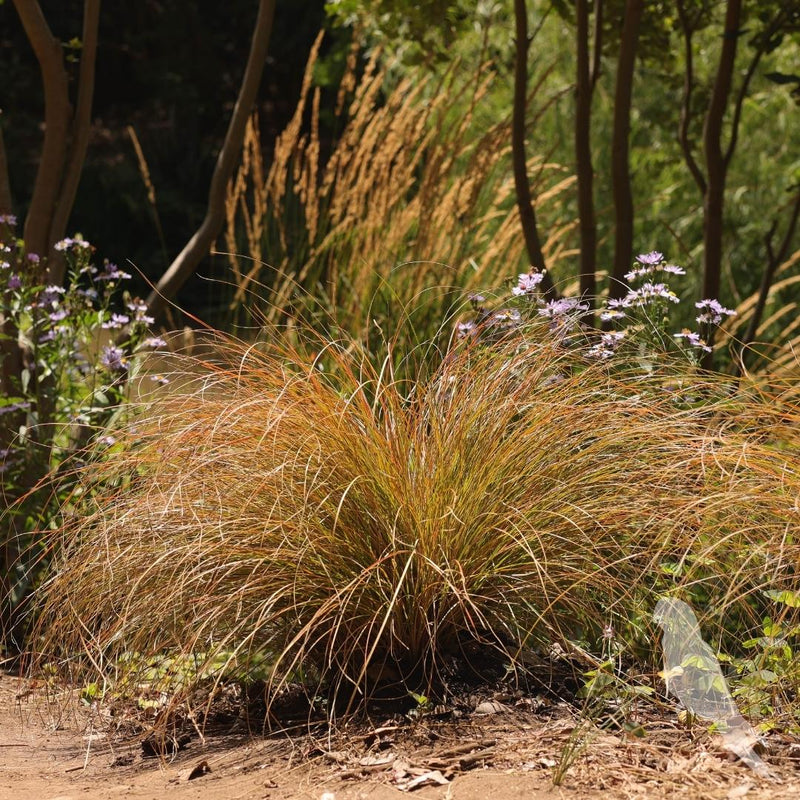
527	214
583	157
687	146
199	245
79	140
716	162
620	148
57	117
716	166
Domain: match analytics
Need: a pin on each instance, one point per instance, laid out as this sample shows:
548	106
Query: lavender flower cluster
560	313
64	312
58	328
652	298
645	306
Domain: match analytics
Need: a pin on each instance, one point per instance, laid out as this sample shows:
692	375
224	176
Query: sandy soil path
54	752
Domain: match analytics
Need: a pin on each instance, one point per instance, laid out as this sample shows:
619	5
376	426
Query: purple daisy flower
712	312
562	307
693	339
111	272
528	283
116	321
651	259
113	358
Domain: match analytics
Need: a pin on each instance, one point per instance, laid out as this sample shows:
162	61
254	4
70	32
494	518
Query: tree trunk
620	155
79	141
716	166
527	214
716	162
199	245
57	116
583	158
687	146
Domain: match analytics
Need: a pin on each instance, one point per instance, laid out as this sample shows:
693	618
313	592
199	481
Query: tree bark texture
620	148
56	120
527	214
687	28
199	245
716	163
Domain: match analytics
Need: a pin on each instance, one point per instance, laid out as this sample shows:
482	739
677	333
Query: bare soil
61	750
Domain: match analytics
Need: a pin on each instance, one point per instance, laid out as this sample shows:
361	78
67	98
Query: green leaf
785	597
419	699
10	401
761	677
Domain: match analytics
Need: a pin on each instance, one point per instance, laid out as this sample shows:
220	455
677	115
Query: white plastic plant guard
693	674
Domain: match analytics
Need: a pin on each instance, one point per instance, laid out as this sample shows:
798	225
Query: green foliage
432	25
762	173
768	676
72	385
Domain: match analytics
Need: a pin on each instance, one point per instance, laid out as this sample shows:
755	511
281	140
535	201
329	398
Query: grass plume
413	198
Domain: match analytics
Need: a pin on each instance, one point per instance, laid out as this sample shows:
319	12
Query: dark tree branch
81	125
527	215
620	148
57	115
598	42
716	167
686	102
199	245
742	93
737	110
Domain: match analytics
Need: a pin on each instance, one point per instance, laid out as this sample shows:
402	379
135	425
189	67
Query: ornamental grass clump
296	511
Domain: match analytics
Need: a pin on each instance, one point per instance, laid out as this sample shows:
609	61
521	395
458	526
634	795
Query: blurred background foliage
170	71
168	74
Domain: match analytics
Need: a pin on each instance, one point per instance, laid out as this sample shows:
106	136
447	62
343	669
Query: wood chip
490	707
197	771
434	777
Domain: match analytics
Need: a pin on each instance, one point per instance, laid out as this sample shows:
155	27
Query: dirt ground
59	751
